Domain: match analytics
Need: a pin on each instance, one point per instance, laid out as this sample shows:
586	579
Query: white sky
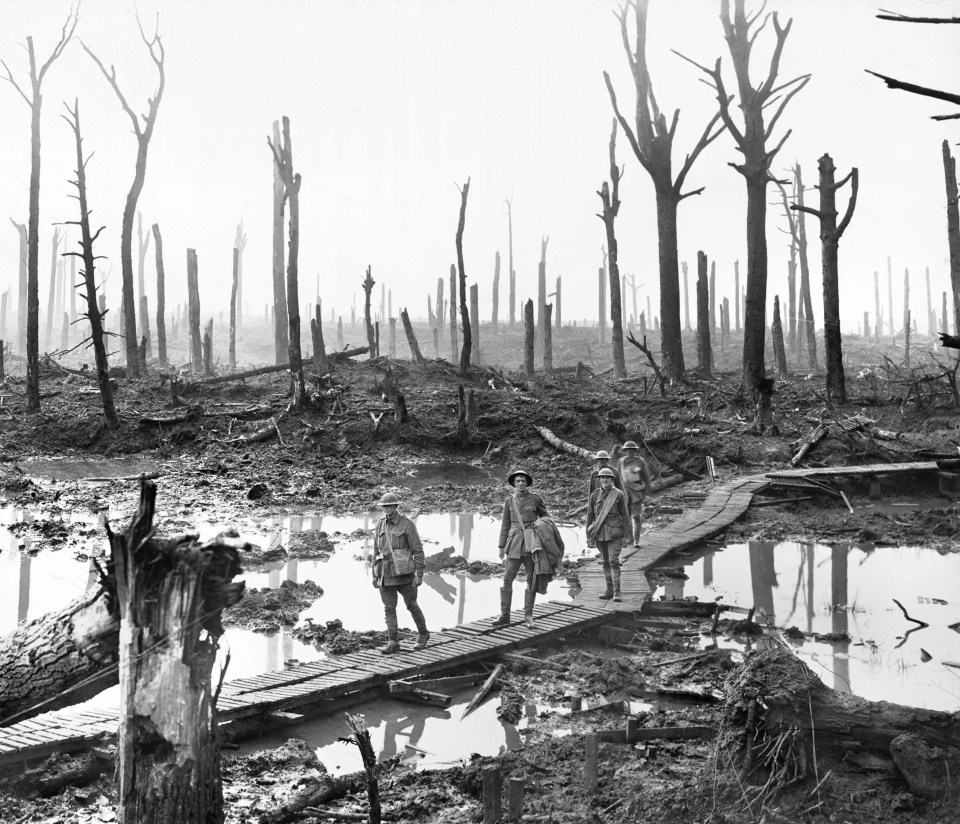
393	103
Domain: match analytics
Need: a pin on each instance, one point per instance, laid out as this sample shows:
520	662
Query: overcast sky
394	103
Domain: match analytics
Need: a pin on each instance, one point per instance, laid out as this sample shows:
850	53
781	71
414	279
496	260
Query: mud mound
266	610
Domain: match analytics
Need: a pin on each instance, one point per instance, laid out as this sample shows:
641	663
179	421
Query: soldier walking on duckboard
398	570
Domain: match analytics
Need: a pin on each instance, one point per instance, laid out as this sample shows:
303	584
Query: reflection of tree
763	577
466	533
708	569
23	606
439	584
838	601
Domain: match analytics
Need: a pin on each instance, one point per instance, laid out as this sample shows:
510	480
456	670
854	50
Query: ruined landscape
191	462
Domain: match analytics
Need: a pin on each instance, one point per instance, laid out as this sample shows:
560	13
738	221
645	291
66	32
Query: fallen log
316	790
268	370
780	717
61	658
482	692
816	436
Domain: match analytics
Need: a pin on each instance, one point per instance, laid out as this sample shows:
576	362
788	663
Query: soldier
602	459
636	484
398	570
518	539
608	527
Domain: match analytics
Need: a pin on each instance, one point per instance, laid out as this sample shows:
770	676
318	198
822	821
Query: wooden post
233	308
320	361
906	340
474	324
168	754
392	345
161	297
361	737
528	337
704	353
590	778
454	341
415	353
547	340
515	790
686	297
193	298
492	808
208	349
779	353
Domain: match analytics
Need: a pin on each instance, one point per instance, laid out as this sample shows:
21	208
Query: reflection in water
855	594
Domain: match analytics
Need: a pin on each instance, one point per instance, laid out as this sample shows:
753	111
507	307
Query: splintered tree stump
170	594
415	352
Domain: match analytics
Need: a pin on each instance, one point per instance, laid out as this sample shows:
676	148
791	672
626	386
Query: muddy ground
334	459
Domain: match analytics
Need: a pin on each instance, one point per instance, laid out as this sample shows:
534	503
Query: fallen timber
335	684
268	370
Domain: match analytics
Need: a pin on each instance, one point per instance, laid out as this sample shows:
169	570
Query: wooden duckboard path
318	681
722	506
865	470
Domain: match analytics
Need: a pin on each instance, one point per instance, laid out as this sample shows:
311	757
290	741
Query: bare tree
240	243
652	142
281	340
513	275
830	233
368	282
610	198
34	101
52	295
464	313
143	132
283	158
953	232
94	314
161	296
740	33
22	286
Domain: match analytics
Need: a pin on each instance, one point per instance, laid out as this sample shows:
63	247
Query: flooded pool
33	584
849	589
76	469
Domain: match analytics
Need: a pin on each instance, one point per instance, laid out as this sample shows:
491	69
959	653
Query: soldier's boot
529	596
615	572
506	597
423	634
393	645
608	594
637	523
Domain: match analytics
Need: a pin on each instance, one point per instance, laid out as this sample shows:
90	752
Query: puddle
33	585
75	469
449	472
425	737
823	589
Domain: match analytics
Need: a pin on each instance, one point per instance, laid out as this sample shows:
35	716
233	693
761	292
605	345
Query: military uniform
398	568
610	534
636	483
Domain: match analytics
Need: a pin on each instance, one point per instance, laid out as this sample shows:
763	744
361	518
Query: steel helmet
601	455
523	472
631	445
606	472
388	499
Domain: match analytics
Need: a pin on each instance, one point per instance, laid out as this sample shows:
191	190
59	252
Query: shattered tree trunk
454	339
547	340
193	301
475	323
170	595
161	297
529	333
953	232
686	298
704	353
320	360
281	342
368	282
805	297
610	198
233	309
207	349
601	313
876	305
22	289
893	329
830	234
558	315
736	291
541	288
52	295
464	313
415	352
931	320
513	275
495	310
440	312
392	343
906	316
143	246
779	353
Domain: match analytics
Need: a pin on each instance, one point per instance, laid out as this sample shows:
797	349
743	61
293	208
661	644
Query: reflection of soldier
398	570
636	484
602	459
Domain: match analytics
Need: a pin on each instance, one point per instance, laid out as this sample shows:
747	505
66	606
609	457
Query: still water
847	588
